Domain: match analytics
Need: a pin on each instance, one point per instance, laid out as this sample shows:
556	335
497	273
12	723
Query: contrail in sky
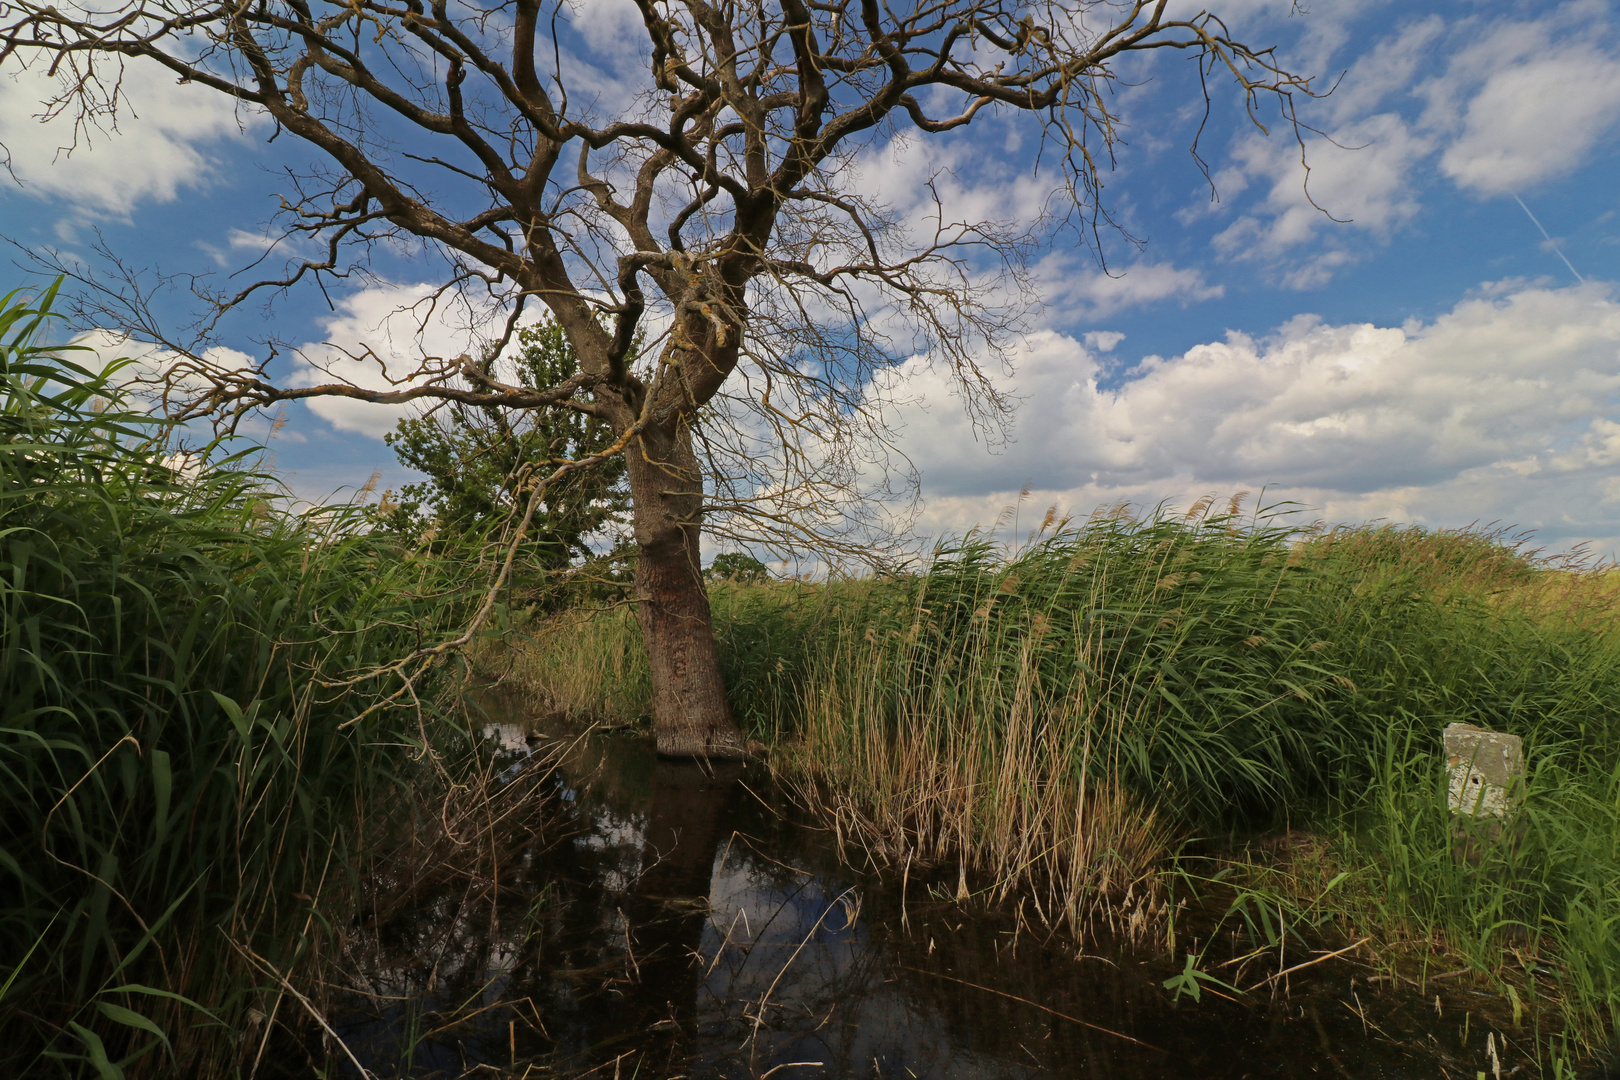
1550	243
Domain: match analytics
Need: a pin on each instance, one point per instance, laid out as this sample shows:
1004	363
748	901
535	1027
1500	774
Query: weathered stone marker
1486	785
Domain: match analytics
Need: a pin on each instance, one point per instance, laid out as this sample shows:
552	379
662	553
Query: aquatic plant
179	787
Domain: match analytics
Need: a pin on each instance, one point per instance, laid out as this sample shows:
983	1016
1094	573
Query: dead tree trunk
690	713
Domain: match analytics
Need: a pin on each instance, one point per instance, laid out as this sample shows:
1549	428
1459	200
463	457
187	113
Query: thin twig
1038	1005
1318	960
264	965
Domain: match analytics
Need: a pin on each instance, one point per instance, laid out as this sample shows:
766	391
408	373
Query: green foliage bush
736	566
477	461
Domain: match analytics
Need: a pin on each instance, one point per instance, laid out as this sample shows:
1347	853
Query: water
671	922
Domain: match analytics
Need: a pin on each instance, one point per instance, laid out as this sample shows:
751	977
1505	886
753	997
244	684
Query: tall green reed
1059	719
179	793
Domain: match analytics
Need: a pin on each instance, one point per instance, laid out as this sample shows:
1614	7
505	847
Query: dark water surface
677	926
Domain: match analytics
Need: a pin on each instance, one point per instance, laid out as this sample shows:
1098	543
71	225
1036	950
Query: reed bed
1131	703
589	662
181	797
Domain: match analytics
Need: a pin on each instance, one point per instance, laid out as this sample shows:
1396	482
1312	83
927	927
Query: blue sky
1429	357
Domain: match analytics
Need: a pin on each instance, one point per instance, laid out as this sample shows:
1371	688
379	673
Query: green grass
1135	696
177	789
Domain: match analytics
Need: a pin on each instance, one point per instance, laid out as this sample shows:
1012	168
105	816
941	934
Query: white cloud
971	186
601	56
1074	286
1387	70
144	363
378	339
1359	176
1509	104
1535	121
145	371
375	340
1315	31
159	149
1506	407
612	28
1523	102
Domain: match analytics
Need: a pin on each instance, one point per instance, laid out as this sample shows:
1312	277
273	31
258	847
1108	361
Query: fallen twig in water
1037	1005
791	1065
1318	960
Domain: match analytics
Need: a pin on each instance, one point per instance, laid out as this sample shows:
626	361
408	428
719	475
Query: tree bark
691	716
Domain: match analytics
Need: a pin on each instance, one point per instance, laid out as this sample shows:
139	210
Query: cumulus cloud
1507	406
159	149
144	370
908	173
1359	177
377	337
1386	71
1535	120
612	28
142	364
1504	406
1496	106
1522	102
602	68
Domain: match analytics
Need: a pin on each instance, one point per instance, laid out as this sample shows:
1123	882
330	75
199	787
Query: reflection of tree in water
446	927
667	912
673	927
572	952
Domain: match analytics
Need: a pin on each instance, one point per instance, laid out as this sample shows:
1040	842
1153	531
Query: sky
1431	335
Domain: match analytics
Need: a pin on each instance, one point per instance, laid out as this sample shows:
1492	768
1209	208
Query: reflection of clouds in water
616	840
513	738
764	933
833	998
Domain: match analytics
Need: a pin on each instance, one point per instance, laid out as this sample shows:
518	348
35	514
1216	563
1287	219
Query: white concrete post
1486	774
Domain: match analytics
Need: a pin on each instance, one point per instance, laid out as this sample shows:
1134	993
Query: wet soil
681	922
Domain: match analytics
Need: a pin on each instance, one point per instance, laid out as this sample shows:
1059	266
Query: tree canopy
477	460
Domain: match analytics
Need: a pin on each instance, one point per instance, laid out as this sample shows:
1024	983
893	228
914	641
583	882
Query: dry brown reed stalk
457	852
583	662
1018	810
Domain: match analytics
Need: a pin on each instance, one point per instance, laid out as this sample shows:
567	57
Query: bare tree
718	218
